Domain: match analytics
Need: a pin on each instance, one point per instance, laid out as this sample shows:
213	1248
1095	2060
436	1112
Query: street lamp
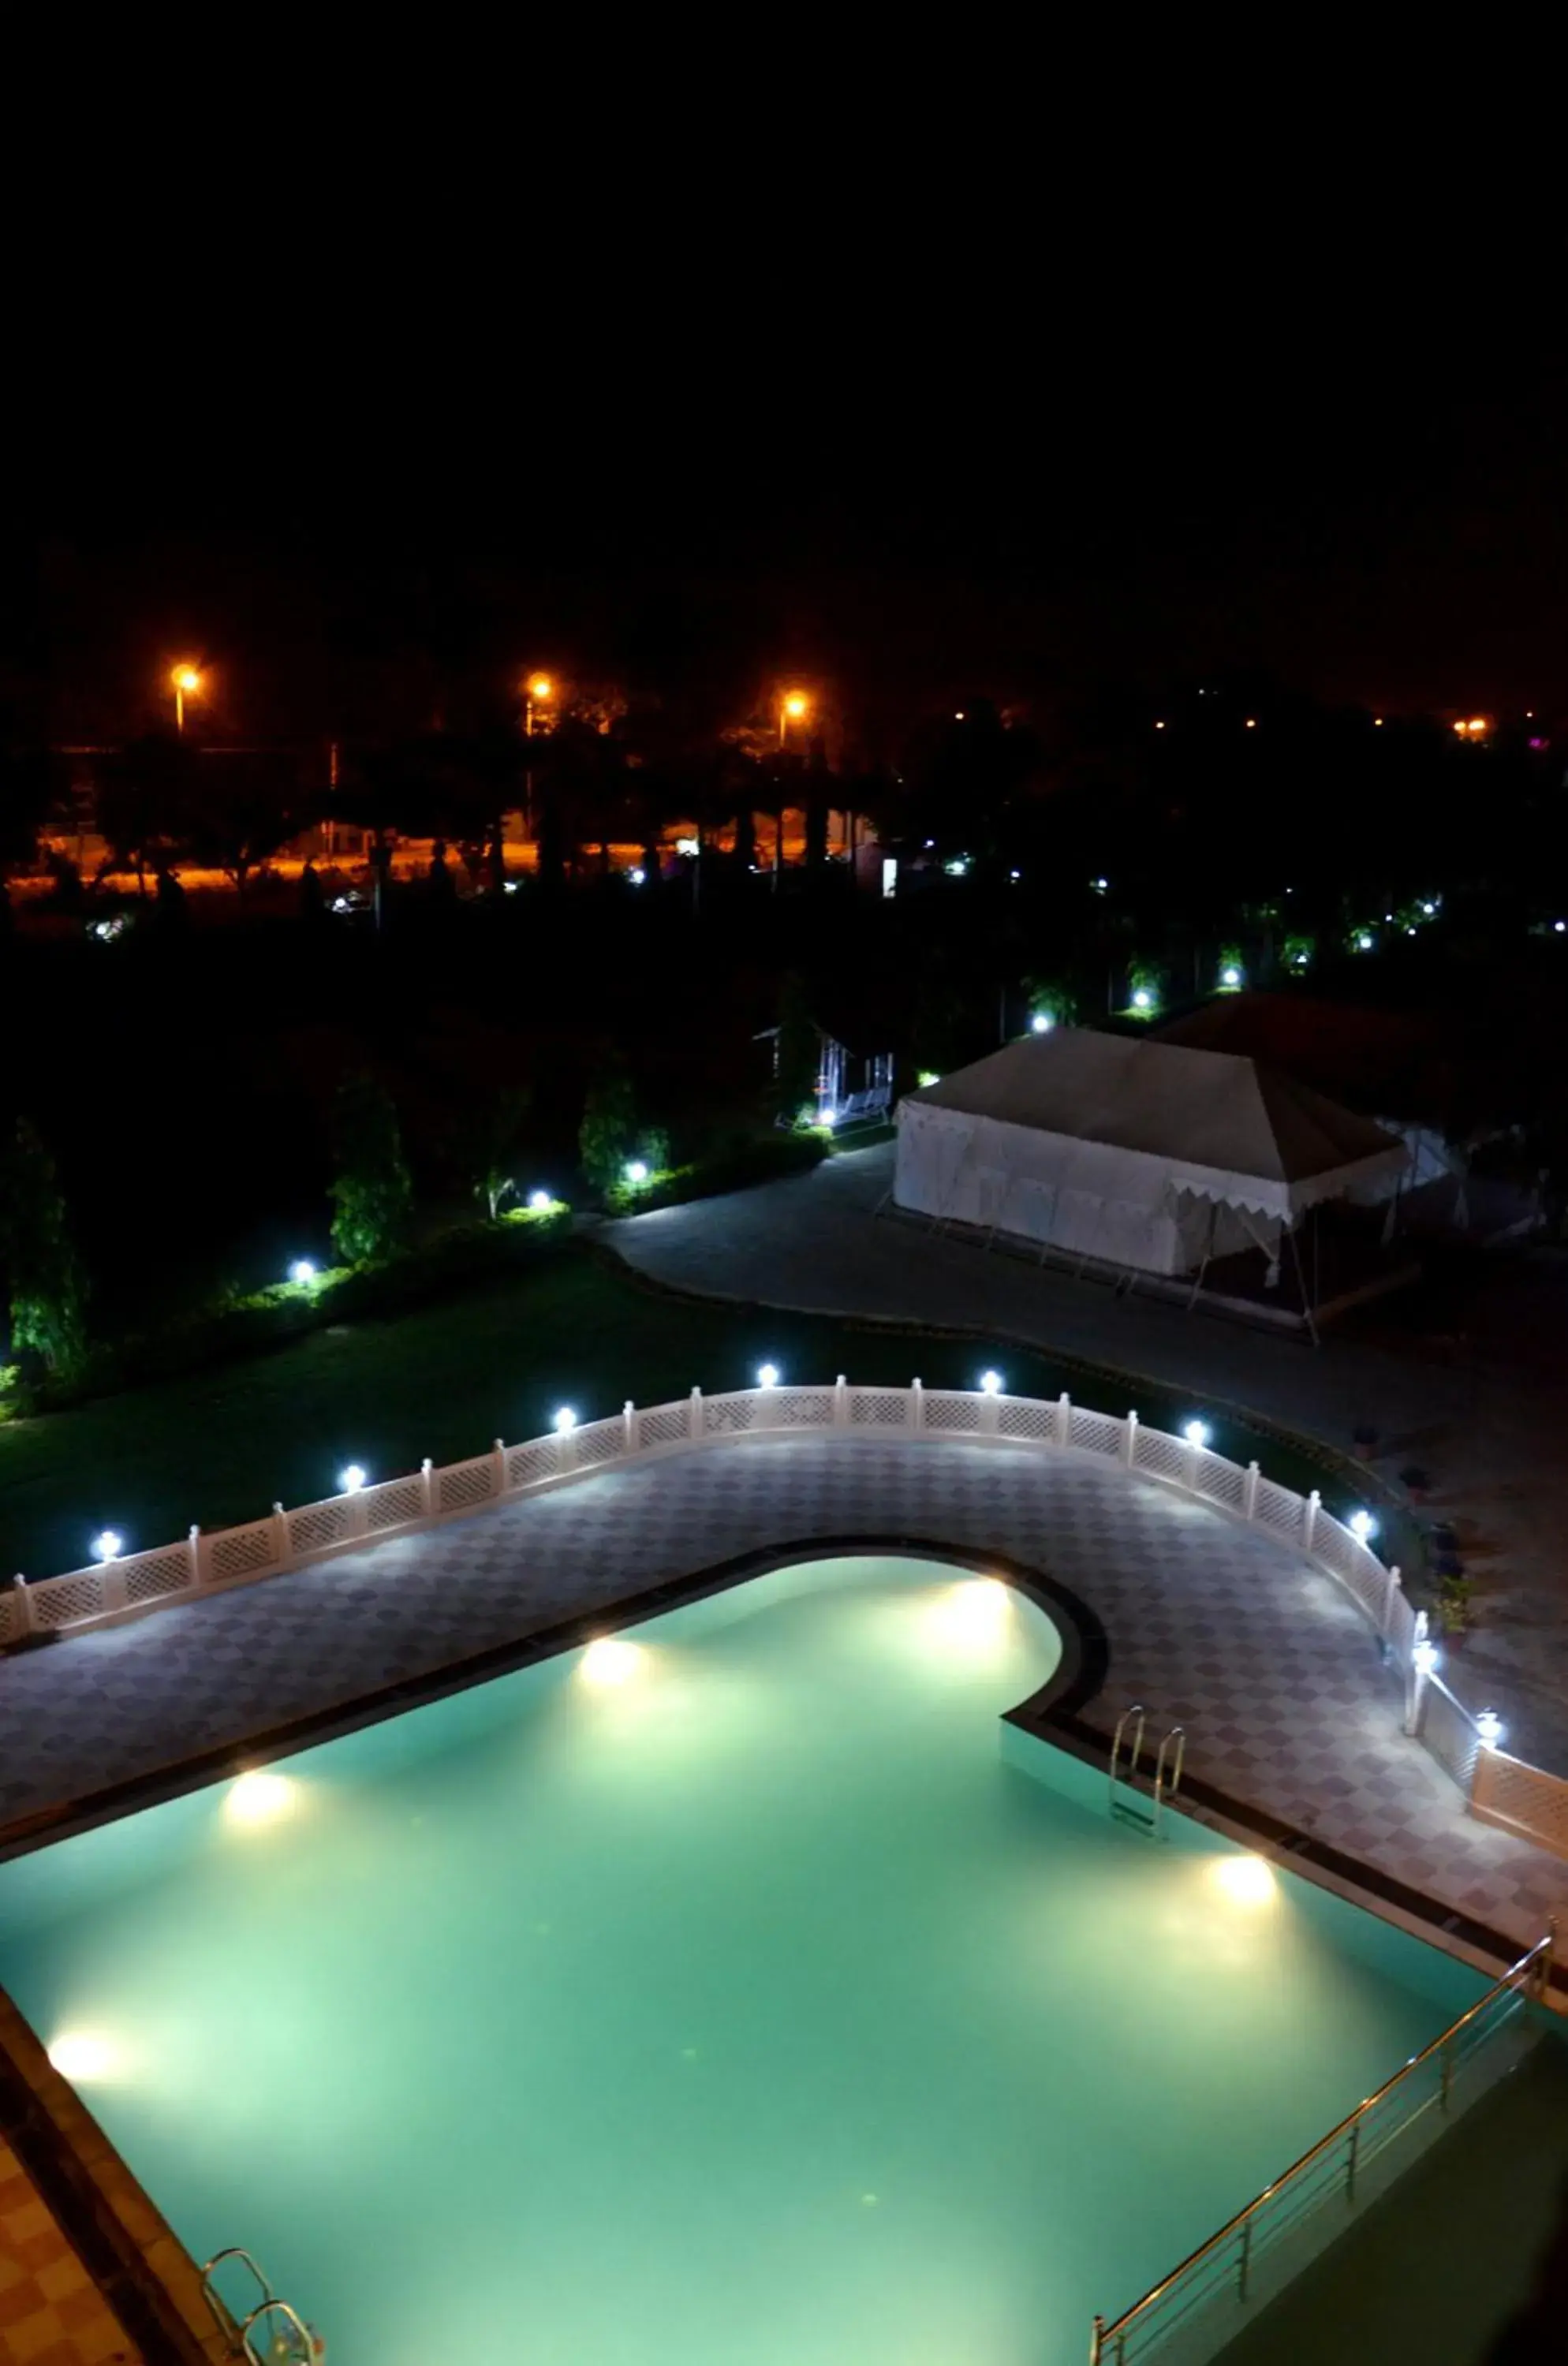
794	708
186	681
537	690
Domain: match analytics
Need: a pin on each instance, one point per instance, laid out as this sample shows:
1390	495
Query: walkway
1212	1625
1483	1403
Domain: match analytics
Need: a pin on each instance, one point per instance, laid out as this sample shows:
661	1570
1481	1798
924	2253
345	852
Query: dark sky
1345	465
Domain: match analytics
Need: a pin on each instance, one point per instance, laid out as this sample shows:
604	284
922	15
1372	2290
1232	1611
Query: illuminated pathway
1212	1625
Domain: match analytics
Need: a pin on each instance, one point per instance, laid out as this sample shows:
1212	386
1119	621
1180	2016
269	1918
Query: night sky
1346	467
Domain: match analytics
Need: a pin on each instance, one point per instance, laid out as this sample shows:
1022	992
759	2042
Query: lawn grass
446	1379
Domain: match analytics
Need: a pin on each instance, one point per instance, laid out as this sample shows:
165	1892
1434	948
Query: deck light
1489	1726
1230	975
301	1270
1196	1433
1427	1658
767	1375
352	1479
565	1419
110	1545
1363	1527
991	1382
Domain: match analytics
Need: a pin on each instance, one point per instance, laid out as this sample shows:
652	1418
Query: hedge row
754	1162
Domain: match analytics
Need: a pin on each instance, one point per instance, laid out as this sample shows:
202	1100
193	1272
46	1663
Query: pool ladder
1173	1749
291	2340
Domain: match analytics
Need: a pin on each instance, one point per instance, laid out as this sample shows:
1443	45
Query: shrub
370	1189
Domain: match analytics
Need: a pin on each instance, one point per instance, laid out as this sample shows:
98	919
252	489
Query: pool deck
52	2313
1214	1625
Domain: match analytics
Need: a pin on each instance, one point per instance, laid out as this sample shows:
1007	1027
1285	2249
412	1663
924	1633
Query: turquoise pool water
730	1998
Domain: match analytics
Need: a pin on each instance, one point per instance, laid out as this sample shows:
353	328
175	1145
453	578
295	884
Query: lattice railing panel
318	1525
1025	1417
526	1465
801	1408
665	1425
1523	1797
879	1408
1096	1433
240	1552
461	1486
1163	1457
1352	1563
958	1415
60	1601
1449	1732
722	1416
151	1575
394	1504
1402	1626
1221	1481
11	1610
1277	1508
599	1442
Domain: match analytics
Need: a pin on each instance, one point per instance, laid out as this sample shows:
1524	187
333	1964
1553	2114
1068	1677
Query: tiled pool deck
1213	1625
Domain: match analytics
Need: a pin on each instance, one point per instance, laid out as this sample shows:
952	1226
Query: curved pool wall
750	1995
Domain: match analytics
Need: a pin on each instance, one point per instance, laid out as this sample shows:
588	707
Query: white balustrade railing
1501	1790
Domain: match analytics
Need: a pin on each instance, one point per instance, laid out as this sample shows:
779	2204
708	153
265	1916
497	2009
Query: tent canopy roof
1233	1116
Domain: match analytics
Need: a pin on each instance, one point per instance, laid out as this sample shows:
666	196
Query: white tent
1138	1153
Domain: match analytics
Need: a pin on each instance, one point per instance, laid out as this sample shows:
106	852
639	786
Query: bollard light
539	1201
352	1479
1427	1658
1489	1726
992	1383
110	1545
301	1270
565	1419
1042	1022
1362	1527
637	1170
1196	1433
767	1375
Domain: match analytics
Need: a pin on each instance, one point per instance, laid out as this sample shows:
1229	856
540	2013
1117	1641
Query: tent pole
1208	1253
1307	1308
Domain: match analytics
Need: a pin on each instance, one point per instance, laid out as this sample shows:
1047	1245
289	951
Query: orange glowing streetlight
537	690
186	681
793	709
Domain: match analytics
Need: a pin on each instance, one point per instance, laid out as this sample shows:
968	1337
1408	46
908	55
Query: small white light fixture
1428	909
1558	927
1099	885
1489	1726
565	1419
513	885
1427	1658
611	1660
767	1375
637	1170
109	1545
81	2054
991	1382
927	1078
827	1118
1141	999
352	1478
259	1797
1230	975
637	875
1363	942
1015	874
1042	1022
1362	1525
1196	1433
539	1202
301	1270
1246	1880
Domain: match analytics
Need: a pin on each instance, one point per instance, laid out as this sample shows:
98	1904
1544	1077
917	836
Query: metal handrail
1179	1735
223	2316
1136	1711
1110	2340
291	2317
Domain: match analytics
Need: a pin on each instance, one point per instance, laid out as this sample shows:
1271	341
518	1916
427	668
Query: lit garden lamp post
538	692
186	681
793	707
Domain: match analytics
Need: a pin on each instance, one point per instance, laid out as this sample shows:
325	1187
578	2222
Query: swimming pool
721	1993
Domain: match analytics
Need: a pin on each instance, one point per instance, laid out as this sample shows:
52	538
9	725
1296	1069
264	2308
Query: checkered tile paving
50	2312
1212	1625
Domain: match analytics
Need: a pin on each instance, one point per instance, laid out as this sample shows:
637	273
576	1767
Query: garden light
1042	1022
1143	999
991	1382
565	1419
1362	1525
767	1375
1427	1658
1196	1433
636	877
1558	927
301	1270
637	1170
1099	885
1489	1726
928	1076
1363	942
539	1202
1428	909
1230	975
110	1545
351	1480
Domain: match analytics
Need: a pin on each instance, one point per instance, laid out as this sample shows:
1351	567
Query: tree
493	1146
32	791
249	806
370	1189
607	1137
799	1061
48	1285
148	803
